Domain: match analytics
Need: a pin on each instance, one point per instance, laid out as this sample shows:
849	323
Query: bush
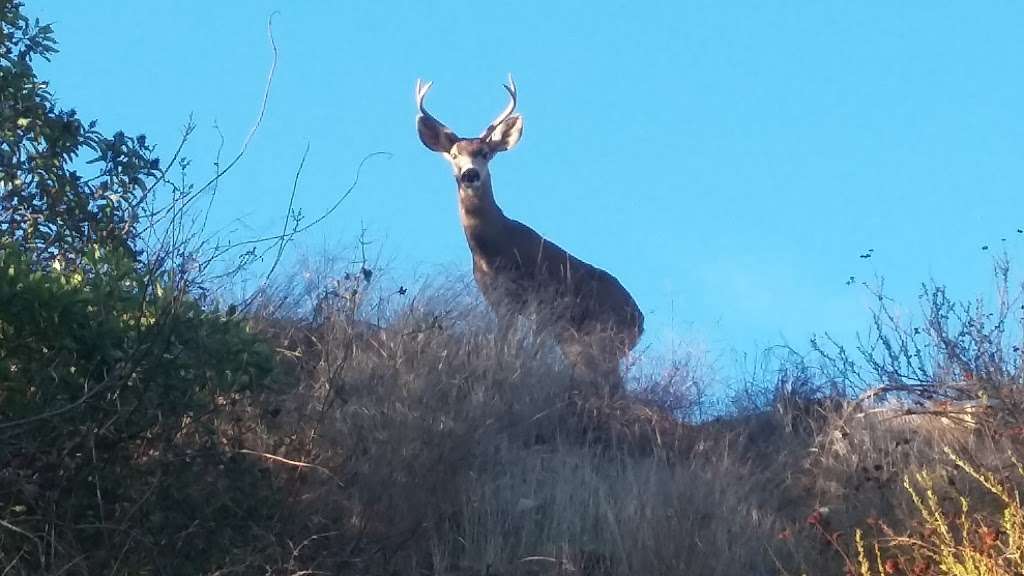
951	537
142	430
46	207
118	380
112	388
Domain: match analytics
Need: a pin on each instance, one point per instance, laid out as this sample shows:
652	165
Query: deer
594	319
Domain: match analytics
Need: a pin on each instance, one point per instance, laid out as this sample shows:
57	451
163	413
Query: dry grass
448	451
403	437
436	447
441	449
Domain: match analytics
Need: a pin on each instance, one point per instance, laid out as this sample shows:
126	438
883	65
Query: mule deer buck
594	319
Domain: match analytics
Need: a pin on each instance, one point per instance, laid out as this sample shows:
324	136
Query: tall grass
455	452
428	444
399	434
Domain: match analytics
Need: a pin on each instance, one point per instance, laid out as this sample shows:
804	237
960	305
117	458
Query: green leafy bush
118	384
113	390
46	206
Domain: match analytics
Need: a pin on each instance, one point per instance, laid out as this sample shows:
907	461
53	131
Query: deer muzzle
469	176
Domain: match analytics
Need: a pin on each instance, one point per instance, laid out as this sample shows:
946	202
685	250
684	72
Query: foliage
97	338
46	207
111	387
139	433
952	540
116	378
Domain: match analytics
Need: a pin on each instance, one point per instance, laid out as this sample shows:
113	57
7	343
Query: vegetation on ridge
328	427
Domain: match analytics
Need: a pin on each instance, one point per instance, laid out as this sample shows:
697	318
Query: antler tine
421	92
511	89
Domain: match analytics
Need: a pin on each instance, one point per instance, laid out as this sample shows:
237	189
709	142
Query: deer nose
470	176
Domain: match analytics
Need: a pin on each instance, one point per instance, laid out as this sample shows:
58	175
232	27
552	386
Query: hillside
321	424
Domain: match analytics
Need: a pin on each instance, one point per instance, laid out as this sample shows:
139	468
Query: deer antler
421	93
511	88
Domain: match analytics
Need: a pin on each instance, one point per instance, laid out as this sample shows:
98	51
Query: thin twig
259	117
34	540
326	214
216	168
220	173
58	411
295	463
288	215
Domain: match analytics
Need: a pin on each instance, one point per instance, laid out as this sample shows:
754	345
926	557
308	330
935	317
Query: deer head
469	157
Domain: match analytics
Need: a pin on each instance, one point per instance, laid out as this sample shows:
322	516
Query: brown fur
593	317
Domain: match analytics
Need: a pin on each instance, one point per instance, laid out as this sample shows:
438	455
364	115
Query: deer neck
482	219
478	210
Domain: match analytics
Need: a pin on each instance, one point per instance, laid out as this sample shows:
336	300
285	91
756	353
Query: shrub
951	538
46	207
118	380
111	389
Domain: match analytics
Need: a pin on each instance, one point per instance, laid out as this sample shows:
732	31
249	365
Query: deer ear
506	134
434	135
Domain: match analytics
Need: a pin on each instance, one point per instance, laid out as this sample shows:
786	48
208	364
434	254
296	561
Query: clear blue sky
729	162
